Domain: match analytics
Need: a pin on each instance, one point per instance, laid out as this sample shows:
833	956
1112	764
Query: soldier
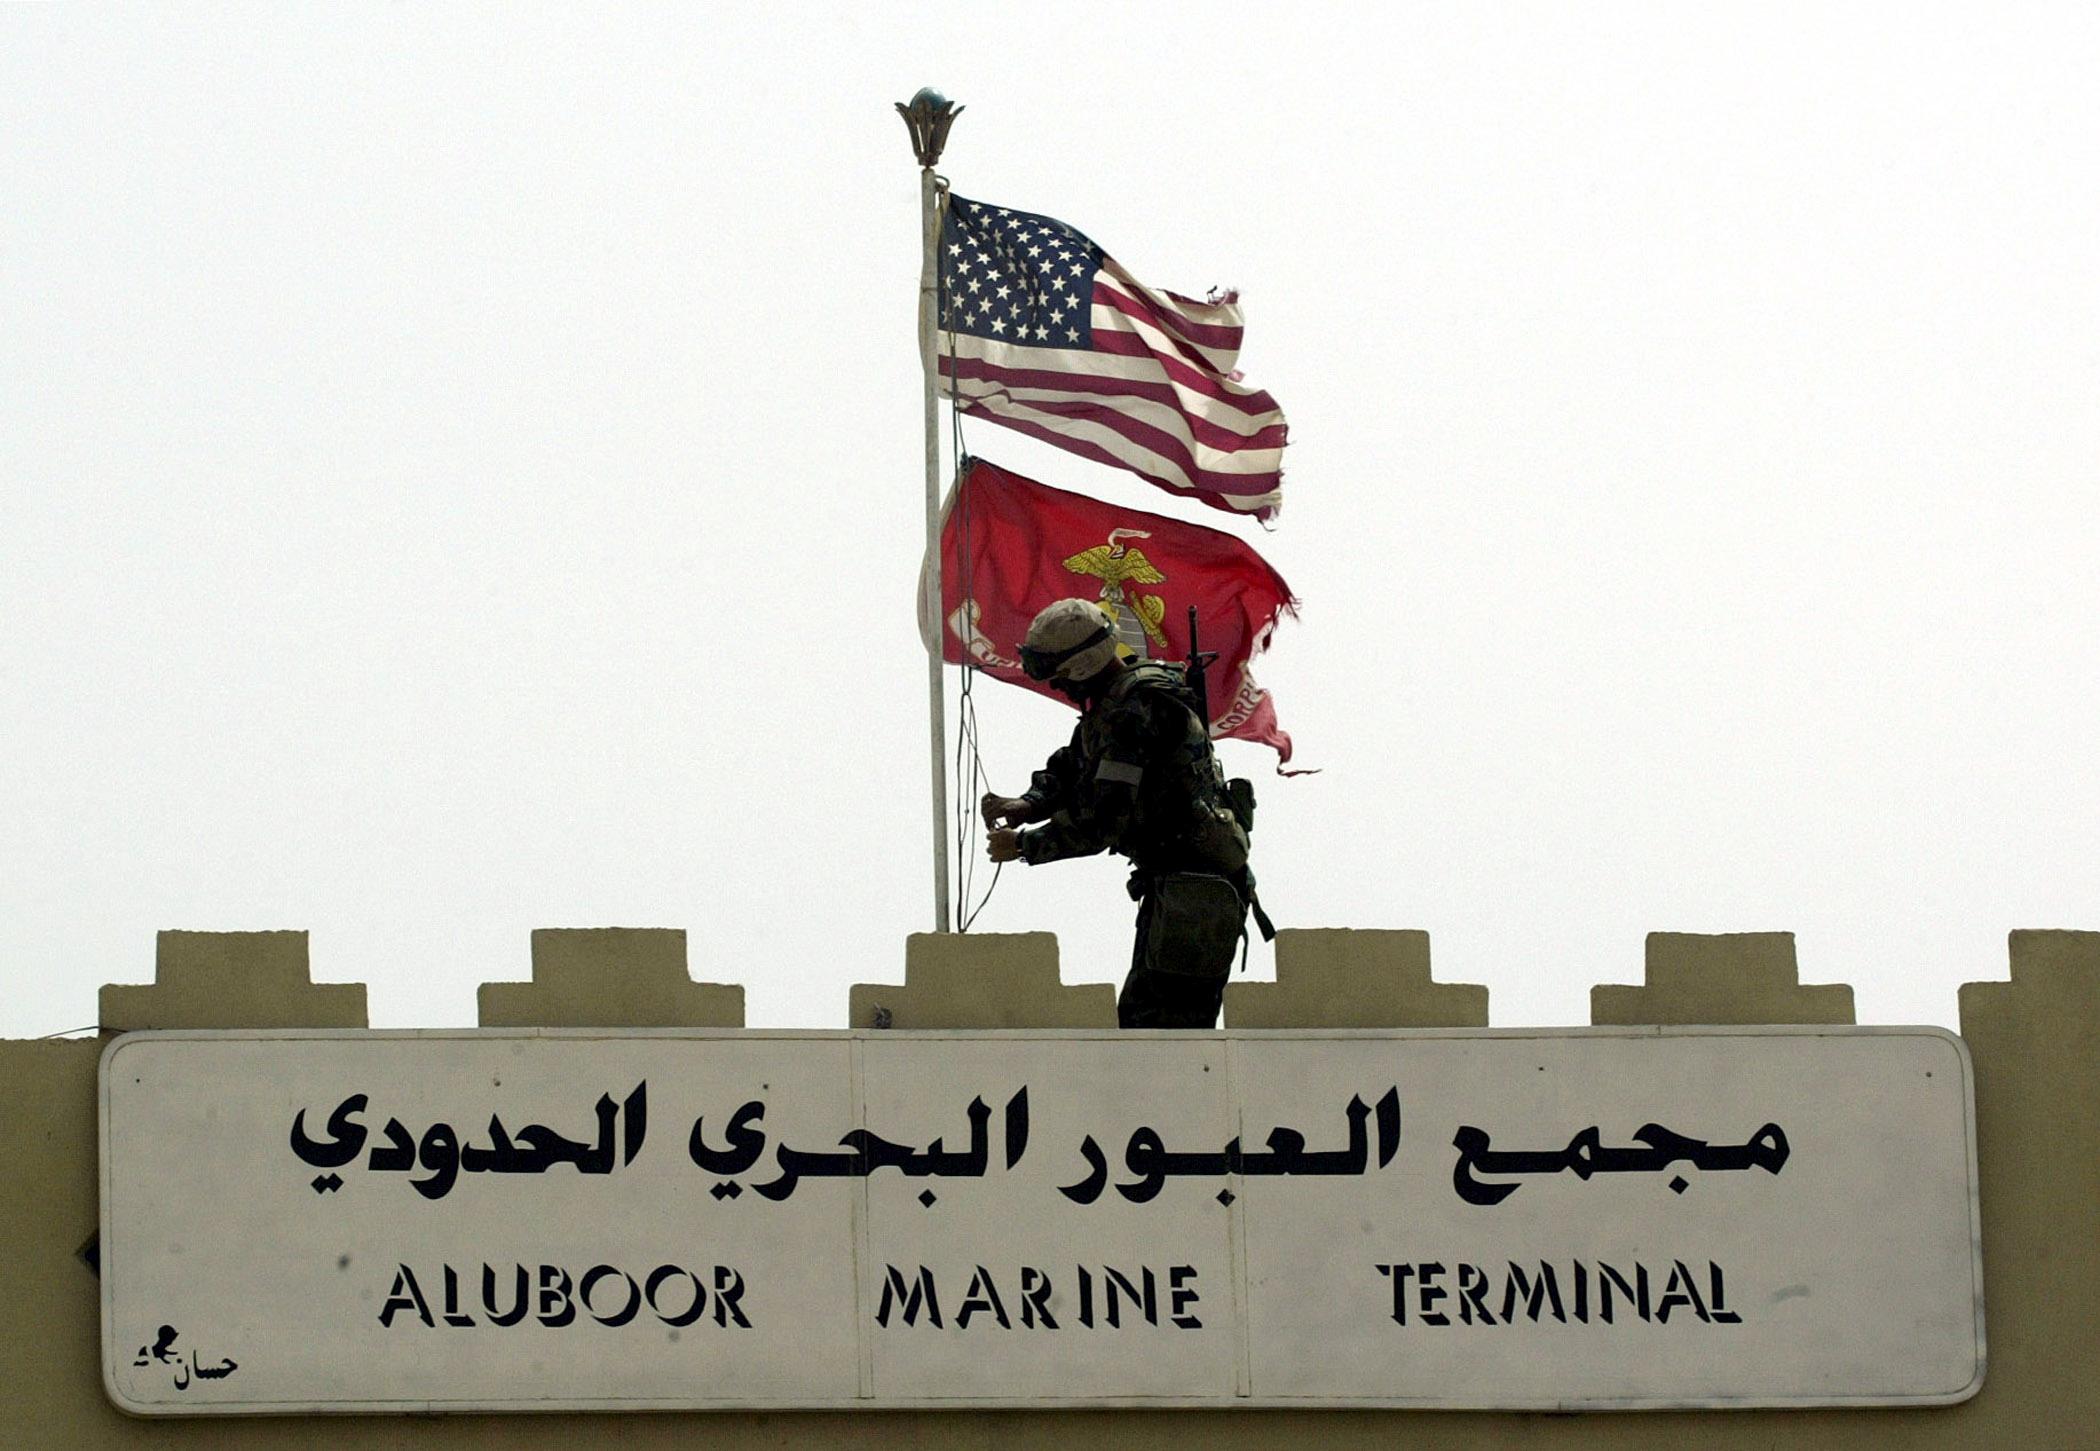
1138	778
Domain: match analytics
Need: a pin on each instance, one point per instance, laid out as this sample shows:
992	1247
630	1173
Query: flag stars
1002	275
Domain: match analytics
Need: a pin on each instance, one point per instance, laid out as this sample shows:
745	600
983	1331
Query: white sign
593	1219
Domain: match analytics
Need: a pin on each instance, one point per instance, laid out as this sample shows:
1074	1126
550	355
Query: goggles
1043	664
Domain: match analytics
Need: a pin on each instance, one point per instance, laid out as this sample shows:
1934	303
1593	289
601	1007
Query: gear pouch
1194	925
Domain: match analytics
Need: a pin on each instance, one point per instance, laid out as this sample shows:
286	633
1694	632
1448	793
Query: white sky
460	473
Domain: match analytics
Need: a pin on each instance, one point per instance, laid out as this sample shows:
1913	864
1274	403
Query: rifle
1239	792
1198	667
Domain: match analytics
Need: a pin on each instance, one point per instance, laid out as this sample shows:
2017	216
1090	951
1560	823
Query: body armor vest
1184	818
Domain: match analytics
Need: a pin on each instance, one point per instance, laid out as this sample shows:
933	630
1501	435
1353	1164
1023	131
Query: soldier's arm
1050	787
1092	817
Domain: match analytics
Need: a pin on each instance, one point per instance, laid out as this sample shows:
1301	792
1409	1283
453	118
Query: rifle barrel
1199	672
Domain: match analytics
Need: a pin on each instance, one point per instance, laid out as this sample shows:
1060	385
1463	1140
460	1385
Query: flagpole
928	116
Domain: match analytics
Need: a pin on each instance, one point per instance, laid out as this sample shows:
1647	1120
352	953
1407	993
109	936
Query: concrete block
2038	1155
982	980
1733	977
1333	977
610	977
231	980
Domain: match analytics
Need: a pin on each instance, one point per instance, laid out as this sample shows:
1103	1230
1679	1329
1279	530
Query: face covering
1079	692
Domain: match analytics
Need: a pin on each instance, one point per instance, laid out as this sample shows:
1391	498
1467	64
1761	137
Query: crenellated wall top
1325	978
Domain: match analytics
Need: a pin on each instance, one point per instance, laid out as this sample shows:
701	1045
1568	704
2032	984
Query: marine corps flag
1010	545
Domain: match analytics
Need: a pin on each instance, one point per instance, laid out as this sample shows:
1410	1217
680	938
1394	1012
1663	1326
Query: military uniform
1139	778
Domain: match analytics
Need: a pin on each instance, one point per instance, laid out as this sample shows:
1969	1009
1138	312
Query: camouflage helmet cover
1070	640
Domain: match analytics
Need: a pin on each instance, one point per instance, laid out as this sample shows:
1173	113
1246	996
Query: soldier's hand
1002	810
1003	845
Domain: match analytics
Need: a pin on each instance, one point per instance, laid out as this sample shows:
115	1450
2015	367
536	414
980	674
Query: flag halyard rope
969	759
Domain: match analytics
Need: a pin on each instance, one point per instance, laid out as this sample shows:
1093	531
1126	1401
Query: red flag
1010	545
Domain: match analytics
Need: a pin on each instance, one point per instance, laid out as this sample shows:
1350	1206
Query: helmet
1070	641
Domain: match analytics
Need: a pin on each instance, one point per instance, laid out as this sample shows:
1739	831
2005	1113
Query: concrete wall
2033	1039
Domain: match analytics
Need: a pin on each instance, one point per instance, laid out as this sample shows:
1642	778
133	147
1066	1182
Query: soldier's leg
1196	1000
1155	999
1189	1002
1138	1005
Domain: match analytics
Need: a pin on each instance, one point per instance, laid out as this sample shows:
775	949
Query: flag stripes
1047	335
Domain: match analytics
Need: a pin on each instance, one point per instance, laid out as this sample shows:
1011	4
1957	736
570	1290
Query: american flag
1042	331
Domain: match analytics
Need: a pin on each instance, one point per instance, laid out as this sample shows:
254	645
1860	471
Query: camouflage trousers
1182	956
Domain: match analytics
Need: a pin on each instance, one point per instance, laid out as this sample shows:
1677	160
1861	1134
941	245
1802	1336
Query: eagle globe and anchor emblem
1118	567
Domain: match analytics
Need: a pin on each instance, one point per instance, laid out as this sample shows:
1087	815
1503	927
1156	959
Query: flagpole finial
928	116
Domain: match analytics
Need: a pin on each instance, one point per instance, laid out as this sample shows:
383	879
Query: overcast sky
460	472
